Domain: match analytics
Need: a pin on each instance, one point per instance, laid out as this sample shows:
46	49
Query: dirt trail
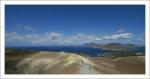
87	69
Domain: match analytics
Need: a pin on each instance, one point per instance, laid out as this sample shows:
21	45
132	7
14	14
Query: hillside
61	63
45	62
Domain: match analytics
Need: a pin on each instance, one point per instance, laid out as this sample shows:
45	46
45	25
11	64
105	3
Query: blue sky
74	24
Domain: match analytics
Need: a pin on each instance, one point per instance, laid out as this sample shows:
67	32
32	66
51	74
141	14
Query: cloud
68	41
26	27
15	37
141	37
118	36
84	37
53	35
54	38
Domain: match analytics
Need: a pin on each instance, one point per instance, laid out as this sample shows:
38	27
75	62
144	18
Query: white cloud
13	36
58	38
141	37
84	37
68	41
118	36
53	35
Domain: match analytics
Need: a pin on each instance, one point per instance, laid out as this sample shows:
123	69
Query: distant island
113	46
115	50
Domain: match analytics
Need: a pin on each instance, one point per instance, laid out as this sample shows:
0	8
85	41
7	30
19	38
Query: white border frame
3	3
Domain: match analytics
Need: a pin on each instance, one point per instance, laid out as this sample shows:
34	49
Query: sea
90	51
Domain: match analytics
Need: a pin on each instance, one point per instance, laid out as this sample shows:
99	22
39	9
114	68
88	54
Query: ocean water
70	49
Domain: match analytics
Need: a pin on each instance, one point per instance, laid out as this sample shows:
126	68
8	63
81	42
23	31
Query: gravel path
87	69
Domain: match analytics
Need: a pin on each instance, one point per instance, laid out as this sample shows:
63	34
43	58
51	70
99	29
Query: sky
42	25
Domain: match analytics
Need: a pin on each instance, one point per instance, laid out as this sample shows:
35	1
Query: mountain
113	46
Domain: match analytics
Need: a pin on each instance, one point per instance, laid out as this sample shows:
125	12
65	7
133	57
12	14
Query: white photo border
2	38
